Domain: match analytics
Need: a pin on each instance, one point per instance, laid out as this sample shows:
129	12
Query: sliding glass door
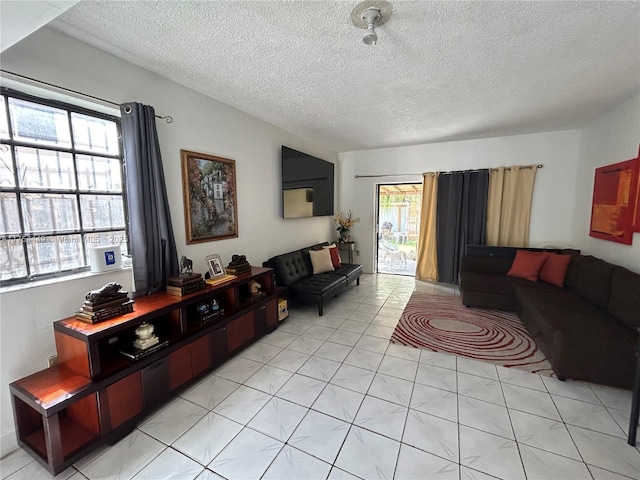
398	225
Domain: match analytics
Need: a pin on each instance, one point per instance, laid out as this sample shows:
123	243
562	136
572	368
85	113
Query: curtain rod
521	166
394	175
418	174
167	118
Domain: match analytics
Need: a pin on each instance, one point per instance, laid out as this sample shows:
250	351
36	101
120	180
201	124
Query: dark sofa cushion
581	340
567	311
290	267
510	252
624	303
483	277
349	270
498	265
498	284
318	284
591	278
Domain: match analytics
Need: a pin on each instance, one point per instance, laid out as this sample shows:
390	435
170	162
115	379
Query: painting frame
636	216
614	202
216	268
209	194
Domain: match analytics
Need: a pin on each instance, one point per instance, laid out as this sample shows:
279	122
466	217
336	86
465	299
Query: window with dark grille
61	186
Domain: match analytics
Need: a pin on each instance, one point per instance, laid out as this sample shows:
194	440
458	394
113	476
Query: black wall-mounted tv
307	185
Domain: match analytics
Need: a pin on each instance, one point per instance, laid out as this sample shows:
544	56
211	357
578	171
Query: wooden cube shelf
96	394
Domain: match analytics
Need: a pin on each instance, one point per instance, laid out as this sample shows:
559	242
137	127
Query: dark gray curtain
461	218
151	240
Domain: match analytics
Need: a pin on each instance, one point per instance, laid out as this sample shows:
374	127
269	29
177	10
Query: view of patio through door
398	219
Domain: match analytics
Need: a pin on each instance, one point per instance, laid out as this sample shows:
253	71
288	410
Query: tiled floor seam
333	464
458	420
272	461
146	464
559	421
193	403
405	423
365	395
372	431
607	470
187	455
222	449
585	428
513	430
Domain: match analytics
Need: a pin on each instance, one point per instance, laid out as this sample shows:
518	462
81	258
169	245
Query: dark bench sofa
295	271
587	329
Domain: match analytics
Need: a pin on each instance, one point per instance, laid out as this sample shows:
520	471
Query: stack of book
238	270
185	284
238	266
136	354
94	312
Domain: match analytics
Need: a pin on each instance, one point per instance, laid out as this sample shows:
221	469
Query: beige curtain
427	266
509	205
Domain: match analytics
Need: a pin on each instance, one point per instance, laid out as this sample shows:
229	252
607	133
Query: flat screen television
307	185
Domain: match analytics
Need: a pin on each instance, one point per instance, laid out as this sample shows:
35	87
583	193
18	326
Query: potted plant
344	224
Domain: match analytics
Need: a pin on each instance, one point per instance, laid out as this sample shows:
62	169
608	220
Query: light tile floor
330	397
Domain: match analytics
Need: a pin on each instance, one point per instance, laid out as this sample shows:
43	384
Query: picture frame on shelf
209	193
216	267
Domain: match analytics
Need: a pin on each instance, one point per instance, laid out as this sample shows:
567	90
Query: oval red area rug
444	324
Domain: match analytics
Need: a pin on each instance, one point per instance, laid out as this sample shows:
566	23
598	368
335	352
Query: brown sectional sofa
588	329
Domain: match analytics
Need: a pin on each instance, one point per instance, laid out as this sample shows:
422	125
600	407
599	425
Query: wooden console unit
95	394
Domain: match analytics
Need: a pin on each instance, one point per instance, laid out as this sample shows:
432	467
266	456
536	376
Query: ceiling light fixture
369	15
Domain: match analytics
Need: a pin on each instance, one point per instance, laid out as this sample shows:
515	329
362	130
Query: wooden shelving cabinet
95	394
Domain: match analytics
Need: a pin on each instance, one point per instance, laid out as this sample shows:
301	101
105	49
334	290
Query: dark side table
635	403
349	247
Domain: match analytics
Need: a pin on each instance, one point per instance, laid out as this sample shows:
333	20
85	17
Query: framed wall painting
209	191
614	202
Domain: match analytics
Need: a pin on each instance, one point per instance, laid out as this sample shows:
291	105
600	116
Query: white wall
200	124
610	139
553	193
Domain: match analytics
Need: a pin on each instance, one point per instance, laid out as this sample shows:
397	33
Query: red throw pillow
335	255
527	265
555	268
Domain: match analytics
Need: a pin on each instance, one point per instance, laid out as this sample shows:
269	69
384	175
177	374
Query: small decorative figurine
238	265
214	305
254	287
110	291
202	308
105	303
186	265
146	338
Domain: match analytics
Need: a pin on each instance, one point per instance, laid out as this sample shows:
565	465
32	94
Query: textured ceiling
19	19
441	71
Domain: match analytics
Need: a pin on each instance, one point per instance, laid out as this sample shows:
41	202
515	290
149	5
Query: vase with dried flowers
344	223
